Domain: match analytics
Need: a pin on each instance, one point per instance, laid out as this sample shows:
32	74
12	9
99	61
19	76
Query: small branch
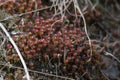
18	15
107	53
42	73
104	75
62	7
93	5
4	39
17	50
85	26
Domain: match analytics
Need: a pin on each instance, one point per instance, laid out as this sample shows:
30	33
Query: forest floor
103	28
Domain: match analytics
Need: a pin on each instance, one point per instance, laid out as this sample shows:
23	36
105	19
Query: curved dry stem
62	8
109	54
85	25
17	50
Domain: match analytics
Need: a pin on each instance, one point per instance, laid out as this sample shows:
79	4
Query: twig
85	26
83	74
2	36
104	75
107	53
62	7
65	53
42	73
18	15
93	6
109	14
3	67
17	50
3	42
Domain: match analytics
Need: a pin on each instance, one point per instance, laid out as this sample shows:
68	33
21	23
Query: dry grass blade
85	25
109	54
17	50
